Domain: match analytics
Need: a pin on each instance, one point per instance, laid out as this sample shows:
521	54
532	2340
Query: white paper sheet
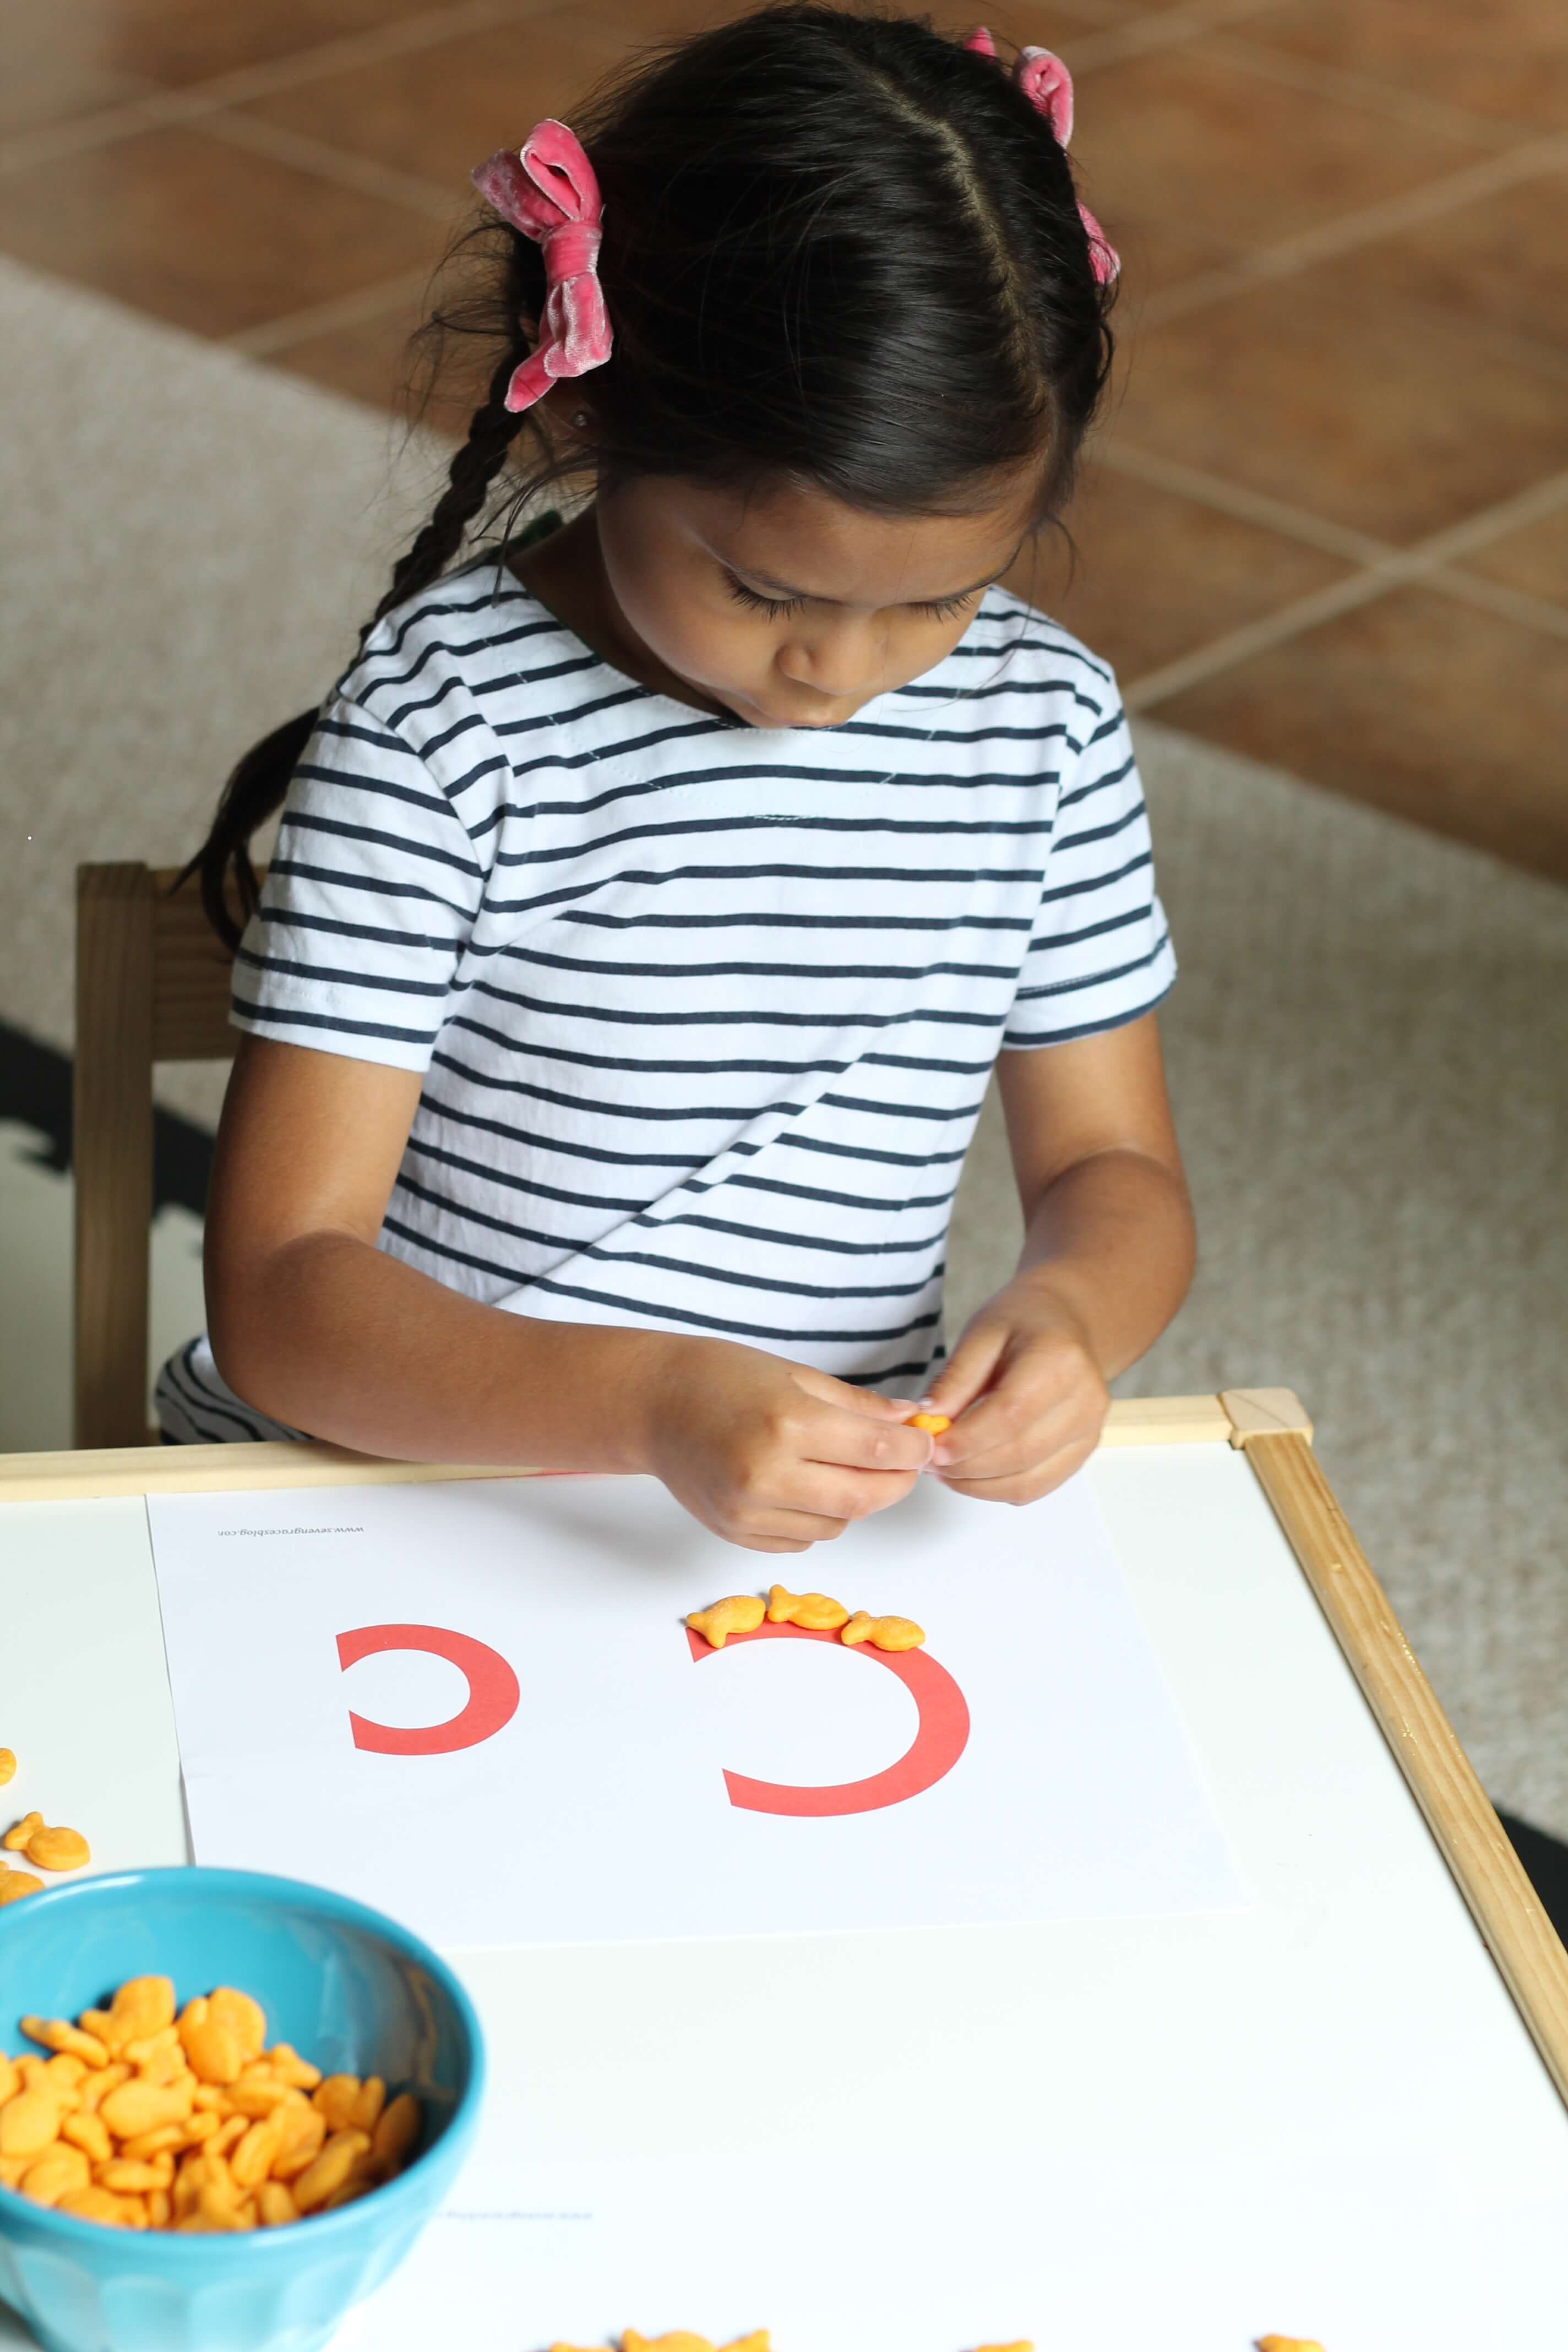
943	2255
599	1808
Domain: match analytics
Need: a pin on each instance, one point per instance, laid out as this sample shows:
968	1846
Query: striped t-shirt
704	1013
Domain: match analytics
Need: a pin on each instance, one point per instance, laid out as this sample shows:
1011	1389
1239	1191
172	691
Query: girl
653	898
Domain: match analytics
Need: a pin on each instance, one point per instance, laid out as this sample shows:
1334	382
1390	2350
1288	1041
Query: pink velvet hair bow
549	192
1047	85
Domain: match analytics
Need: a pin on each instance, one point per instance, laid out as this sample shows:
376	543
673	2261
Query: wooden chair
151	985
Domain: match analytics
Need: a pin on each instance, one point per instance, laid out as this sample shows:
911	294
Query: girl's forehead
795	538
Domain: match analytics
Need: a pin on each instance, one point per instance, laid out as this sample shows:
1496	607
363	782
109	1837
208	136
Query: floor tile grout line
1364	91
1538	612
361	309
1242	504
1149	31
1421	565
1293	255
320	160
1260	636
172	109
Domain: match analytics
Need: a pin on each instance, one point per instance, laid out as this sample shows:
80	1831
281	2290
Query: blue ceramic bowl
352	1991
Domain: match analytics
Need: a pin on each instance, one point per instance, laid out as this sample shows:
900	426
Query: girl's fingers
785	1530
849	1441
969	1368
1015	1484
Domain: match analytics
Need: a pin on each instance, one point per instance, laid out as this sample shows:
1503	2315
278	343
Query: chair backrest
151	985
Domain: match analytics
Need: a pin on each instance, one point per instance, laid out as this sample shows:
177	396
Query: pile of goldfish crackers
146	2120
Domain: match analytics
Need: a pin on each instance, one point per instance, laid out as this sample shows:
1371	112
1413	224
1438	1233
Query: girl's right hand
772	1455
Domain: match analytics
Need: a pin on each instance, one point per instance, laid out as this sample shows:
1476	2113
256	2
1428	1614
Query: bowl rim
324	2227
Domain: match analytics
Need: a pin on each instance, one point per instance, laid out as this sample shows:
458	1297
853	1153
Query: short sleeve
369	902
1100	951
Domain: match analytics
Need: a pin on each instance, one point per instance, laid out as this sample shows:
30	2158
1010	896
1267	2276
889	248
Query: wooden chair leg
112	1152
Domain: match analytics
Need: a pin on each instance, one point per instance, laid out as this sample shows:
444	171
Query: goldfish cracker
95	2204
212	2045
816	1612
29	2123
391	2141
12	2168
275	2207
137	2106
237	2014
89	2132
122	2174
55	2034
330	2170
17	1883
220	2209
742	1612
936	1423
142	2006
304	2131
254	2153
7	1766
54	2174
16	1836
1288	2344
165	2140
96	2088
147	2049
291	2069
883	1633
337	2099
159	2209
49	1849
368	2106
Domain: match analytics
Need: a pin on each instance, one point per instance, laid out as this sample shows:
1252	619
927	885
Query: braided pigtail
257	788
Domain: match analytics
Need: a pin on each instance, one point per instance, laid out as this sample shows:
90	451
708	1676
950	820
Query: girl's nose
840	662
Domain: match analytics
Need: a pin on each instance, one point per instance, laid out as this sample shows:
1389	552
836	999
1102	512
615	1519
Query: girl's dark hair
839	249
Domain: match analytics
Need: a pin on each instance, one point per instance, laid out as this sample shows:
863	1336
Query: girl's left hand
1030	1392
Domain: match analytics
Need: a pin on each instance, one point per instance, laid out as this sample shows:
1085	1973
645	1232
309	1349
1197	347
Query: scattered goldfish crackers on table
682	2341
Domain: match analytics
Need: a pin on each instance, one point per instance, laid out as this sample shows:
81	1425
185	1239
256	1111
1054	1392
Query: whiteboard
1321	2115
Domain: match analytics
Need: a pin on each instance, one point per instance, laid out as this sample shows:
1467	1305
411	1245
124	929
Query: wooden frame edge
213	1469
1489	1874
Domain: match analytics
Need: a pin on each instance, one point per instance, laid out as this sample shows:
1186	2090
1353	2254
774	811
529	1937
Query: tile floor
1328	520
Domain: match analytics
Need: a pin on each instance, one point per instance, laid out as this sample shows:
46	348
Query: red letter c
937	1746
493	1693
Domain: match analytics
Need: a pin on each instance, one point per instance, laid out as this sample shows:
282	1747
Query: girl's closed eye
778	607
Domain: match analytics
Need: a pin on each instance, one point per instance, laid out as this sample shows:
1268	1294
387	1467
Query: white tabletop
1321	2115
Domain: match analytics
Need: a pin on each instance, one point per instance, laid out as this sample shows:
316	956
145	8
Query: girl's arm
312	1323
1107	1255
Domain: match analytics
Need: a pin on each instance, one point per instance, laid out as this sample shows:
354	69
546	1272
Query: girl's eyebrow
781	588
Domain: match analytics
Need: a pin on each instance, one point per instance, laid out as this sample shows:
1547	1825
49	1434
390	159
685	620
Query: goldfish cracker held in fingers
742	1612
937	1424
816	1612
882	1632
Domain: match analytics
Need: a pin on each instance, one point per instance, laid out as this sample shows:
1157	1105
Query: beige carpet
1369	1045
